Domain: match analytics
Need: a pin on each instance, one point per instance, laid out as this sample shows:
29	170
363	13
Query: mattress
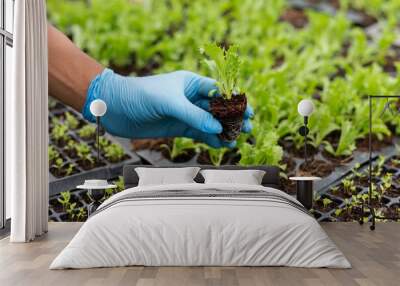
201	225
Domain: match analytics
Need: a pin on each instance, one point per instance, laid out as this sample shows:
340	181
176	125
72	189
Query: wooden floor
375	257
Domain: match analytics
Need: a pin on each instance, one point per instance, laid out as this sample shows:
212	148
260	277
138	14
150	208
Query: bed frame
270	179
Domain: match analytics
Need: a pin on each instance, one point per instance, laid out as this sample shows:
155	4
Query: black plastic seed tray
56	211
104	170
339	202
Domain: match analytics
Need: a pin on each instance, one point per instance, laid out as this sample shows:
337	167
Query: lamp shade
305	107
98	107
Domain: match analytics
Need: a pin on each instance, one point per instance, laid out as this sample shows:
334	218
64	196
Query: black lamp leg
98	138
305	139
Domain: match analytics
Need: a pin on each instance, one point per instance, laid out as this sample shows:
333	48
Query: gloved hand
165	105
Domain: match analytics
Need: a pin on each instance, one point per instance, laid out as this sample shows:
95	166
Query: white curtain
26	124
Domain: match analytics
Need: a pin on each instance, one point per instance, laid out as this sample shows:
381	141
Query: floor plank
375	257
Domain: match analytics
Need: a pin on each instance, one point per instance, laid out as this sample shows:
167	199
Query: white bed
248	226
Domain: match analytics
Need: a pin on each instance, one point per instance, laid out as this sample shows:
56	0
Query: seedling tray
105	170
386	201
56	211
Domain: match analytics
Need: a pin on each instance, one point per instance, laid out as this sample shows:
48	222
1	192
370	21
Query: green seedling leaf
224	66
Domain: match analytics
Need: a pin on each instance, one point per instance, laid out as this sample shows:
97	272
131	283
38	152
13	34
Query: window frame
6	39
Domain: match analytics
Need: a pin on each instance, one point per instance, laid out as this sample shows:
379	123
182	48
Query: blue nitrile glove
165	105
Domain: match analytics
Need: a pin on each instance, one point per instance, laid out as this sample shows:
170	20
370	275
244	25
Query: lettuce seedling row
72	205
347	194
81	154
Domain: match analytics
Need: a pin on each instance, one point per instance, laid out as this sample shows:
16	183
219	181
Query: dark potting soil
71	153
85	197
366	21
230	114
89	138
319	205
181	158
339	160
62	142
363	144
377	203
345	49
296	17
394	161
234	157
279	60
127	70
57	206
123	158
290	165
62	172
290	147
340	192
75	199
317	96
363	180
317	168
339	73
52	162
393	56
349	215
87	165
393	192
393	211
152	144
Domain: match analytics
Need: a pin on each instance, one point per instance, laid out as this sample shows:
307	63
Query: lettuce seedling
64	199
216	155
87	131
70	169
386	182
58	165
59	132
326	202
53	154
265	151
71	121
114	152
349	188
224	66
84	152
103	143
81	214
230	106
180	146
346	143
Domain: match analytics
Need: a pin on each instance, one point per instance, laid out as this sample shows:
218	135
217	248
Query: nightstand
305	193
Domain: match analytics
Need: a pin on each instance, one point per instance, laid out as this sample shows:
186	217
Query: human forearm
70	70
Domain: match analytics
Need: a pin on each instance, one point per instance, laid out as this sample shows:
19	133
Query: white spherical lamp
305	107
98	107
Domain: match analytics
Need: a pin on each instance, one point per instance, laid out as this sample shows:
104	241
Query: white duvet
200	231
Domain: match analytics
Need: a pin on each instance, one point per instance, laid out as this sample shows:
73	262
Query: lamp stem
98	138
305	139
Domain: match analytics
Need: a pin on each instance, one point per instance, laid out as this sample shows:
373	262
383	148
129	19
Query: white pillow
248	177
166	176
